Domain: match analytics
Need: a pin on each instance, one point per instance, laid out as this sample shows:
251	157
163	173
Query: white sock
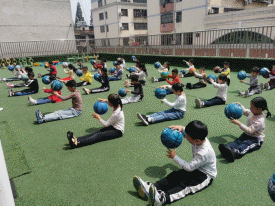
149	119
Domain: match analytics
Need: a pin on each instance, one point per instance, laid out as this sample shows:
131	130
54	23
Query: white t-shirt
163	69
222	90
204	159
141	75
190	66
116	120
179	103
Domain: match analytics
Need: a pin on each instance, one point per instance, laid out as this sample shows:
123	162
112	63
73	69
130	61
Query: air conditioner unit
211	11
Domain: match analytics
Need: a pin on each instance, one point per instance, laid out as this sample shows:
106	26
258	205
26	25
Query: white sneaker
156	198
262	86
153	79
239	92
86	90
246	93
267	87
142	187
32	101
181	75
143	118
1	108
10	92
199	103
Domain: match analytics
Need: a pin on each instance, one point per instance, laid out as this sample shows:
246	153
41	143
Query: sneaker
38	117
32	101
39	75
143	118
199	103
226	153
1	108
142	187
246	93
127	75
262	85
156	198
153	79
267	87
10	92
87	91
70	136
181	75
239	92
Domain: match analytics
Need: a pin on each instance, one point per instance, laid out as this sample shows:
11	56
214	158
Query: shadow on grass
90	130
221	139
135	194
139	124
149	113
159	172
67	147
224	161
271	119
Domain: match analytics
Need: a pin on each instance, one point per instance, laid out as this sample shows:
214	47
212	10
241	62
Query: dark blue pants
161	80
213	101
114	78
23	92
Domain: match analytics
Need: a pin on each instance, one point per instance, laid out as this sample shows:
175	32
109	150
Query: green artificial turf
101	174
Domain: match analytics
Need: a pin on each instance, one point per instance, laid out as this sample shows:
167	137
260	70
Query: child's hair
226	63
202	68
85	68
143	67
115	100
50	62
197	130
71	83
175	71
30	74
103	60
178	87
256	69
191	61
52	77
122	56
104	72
119	62
260	102
79	60
168	65
71	66
224	78
134	78
28	69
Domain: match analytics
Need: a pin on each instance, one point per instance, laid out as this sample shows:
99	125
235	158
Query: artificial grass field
101	174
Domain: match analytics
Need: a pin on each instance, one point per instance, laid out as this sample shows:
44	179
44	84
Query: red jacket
175	80
53	97
98	66
53	70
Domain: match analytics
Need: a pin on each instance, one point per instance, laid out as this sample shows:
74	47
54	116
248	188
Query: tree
78	16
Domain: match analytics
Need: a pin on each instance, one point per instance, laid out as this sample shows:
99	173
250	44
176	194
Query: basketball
112	70
171	138
157	65
56	85
122	92
217	69
234	111
164	75
132	69
212	76
264	72
183	72
46	65
241	75
97	76
271	187
46	80
133	57
24	77
101	107
11	68
18	67
115	63
192	70
160	93
92	61
79	73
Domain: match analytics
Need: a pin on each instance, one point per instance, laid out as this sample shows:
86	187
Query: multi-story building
84	36
122	19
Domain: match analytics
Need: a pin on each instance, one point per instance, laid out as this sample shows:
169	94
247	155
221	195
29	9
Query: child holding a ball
137	93
175	78
165	68
113	127
225	70
193	176
75	111
221	96
18	74
252	137
87	79
141	75
23	84
119	72
271	84
202	80
70	73
190	70
177	111
254	84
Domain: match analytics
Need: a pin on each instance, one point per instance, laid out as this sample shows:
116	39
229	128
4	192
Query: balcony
167	7
165	28
83	32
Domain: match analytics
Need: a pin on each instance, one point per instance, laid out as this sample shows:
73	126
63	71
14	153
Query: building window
178	16
102	29
167	18
179	0
106	15
140	1
124	12
140	26
99	3
214	10
163	2
105	2
124	0
125	26
140	13
107	28
101	16
231	9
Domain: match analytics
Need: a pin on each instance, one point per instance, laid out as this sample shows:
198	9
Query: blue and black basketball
79	73
212	76
241	75
46	80
115	63
183	72
100	107
234	111
122	92
56	85
164	75
264	72
11	68
271	187
157	65
171	138
112	70
97	76
160	93
132	69
92	61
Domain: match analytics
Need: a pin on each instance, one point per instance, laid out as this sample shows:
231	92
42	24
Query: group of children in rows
194	175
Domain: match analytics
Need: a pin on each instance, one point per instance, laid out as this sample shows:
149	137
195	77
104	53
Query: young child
113	127
254	85
177	111
98	66
137	93
141	75
33	87
165	68
51	99
87	80
202	80
194	176
226	69
221	97
70	73
190	64
23	84
271	84
118	75
75	111
52	70
123	64
18	74
79	64
104	81
175	78
253	132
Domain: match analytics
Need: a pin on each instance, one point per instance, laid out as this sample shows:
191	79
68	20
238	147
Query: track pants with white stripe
180	183
244	144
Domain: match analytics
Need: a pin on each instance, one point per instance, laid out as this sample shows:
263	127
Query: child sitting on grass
51	99
193	176
137	93
87	80
165	68
113	127
254	85
225	70
23	84
141	75
177	111
79	64
118	75
70	73
253	132
271	84
75	111
33	87
202	80
52	70
190	64
175	78
18	74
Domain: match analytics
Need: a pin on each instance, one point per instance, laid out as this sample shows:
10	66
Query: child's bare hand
171	153
238	103
95	115
242	81
177	127
44	88
211	80
102	100
234	121
127	90
161	101
55	93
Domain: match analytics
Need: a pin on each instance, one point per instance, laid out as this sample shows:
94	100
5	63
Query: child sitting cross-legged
75	111
137	93
193	176
177	111
87	80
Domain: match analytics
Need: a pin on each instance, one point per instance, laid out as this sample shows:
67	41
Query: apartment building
119	18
